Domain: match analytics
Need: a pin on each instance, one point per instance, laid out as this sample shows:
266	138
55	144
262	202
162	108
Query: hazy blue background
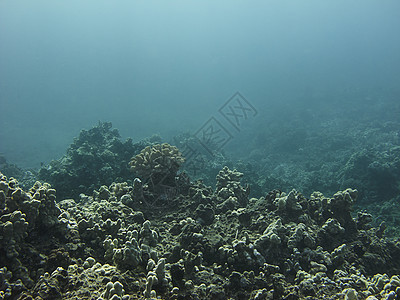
167	66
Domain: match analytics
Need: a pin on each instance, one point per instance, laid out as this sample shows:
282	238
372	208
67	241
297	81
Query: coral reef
157	165
26	178
209	244
374	171
158	180
228	187
96	157
23	217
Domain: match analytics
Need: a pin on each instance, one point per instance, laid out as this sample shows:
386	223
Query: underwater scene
200	149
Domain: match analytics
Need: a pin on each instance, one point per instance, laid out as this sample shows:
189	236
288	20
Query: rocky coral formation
89	279
26	178
96	157
158	181
23	217
210	244
375	172
157	165
228	187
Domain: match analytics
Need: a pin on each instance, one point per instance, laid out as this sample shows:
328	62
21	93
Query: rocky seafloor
165	236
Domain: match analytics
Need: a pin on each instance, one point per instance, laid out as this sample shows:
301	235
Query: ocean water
168	67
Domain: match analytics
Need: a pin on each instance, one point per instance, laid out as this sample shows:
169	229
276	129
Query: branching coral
158	164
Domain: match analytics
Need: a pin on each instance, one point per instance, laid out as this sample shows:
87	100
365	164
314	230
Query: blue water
168	66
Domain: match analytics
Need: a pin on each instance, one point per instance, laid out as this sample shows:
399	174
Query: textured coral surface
203	243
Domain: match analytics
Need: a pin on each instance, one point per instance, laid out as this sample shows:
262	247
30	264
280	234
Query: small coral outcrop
157	170
158	164
97	156
229	188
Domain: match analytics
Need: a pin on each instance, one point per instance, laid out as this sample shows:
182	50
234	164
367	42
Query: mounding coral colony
164	236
